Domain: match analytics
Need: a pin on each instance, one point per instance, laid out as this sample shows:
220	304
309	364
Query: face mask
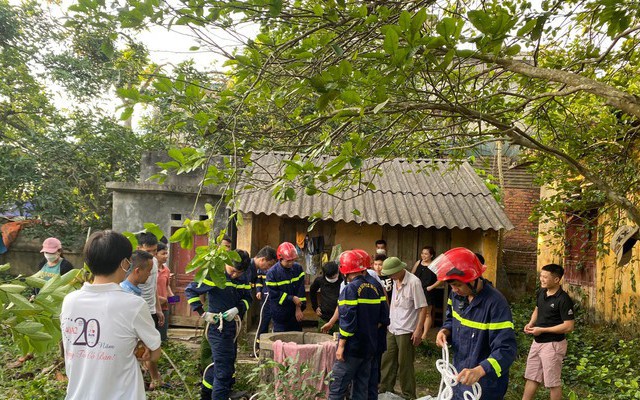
51	257
381	251
331	280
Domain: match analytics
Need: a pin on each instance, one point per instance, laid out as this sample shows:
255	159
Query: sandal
154	385
21	360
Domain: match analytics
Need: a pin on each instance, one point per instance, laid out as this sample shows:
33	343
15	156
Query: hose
175	368
255	340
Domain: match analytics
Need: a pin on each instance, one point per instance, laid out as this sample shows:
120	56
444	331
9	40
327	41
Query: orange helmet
366	258
286	251
458	264
351	262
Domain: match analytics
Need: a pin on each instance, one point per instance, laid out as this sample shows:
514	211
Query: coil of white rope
449	374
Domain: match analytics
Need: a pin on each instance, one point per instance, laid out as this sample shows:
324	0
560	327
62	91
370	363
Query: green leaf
12	288
19	303
337	49
128	93
275	8
418	20
51	285
391	39
448	28
481	20
40	336
528	27
380	106
126	114
4	267
405	21
107	49
154	229
28	327
35	281
178	235
350	97
513	50
132	238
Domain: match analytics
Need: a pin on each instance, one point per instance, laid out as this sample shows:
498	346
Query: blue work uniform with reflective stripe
237	293
363	312
482	333
218	378
363	309
282	285
260	279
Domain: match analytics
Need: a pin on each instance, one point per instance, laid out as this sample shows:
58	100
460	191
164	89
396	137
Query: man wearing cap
408	311
478	325
285	285
363	311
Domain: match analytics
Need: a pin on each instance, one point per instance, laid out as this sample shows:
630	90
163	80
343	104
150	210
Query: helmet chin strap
474	288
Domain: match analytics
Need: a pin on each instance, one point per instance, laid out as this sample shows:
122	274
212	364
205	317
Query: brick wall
520	244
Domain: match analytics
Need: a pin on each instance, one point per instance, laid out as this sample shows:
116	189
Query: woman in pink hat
53	264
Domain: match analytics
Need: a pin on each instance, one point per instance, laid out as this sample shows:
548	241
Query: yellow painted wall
615	295
485	243
357	236
258	231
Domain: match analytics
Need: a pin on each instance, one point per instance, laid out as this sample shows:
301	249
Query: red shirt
163	283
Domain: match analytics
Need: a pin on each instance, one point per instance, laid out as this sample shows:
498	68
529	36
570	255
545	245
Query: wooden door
181	314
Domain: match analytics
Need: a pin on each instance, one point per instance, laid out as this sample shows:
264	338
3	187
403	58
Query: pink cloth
319	357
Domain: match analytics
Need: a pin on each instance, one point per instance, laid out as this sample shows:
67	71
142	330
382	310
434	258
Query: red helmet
350	262
458	264
286	251
366	258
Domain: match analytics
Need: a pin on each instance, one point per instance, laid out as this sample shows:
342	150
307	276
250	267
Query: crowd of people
379	308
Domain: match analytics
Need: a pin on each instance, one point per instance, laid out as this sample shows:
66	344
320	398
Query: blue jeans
352	369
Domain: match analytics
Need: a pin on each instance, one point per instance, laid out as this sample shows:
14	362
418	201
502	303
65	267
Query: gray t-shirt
150	287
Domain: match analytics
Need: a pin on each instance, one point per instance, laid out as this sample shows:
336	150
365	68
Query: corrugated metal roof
515	175
428	193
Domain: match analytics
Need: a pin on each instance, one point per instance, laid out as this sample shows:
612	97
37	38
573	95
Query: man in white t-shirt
102	325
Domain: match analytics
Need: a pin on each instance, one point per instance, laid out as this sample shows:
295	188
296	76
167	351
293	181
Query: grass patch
600	364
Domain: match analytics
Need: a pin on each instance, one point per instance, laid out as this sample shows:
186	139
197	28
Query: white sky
166	47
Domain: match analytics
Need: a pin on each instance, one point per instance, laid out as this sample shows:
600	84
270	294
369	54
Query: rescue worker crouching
224	304
479	326
287	296
363	312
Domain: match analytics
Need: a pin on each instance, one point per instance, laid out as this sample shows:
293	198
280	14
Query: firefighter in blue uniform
224	304
285	285
478	325
260	264
363	312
